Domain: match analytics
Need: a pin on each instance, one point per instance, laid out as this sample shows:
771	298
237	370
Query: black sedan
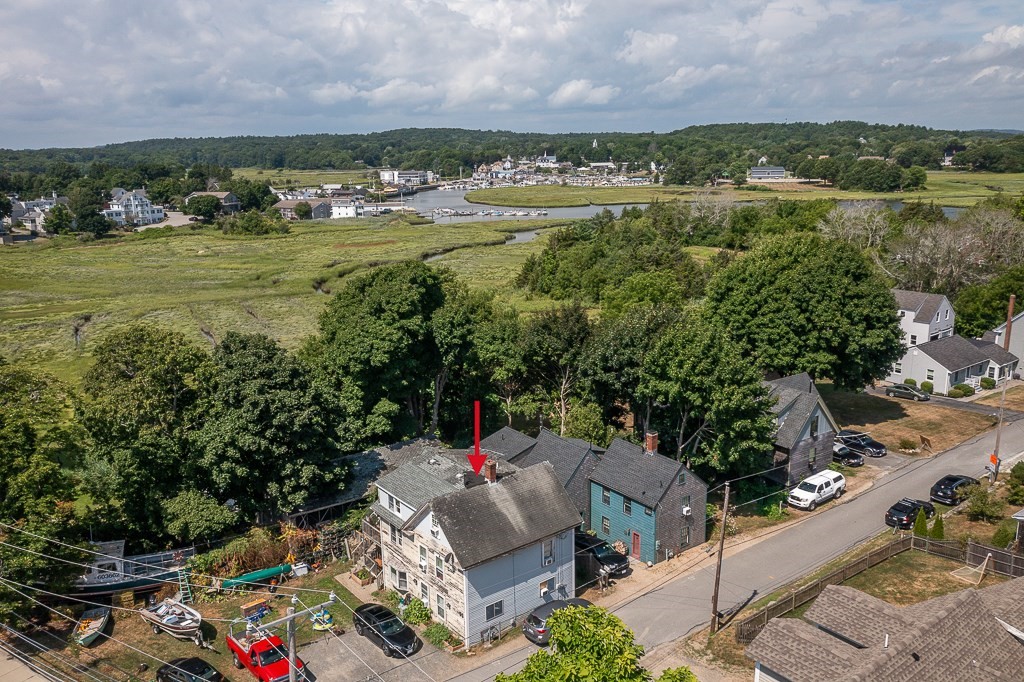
861	443
612	562
905	391
379	625
535	627
845	456
188	670
951	489
904	513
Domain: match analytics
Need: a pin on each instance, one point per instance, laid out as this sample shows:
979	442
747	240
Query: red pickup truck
266	656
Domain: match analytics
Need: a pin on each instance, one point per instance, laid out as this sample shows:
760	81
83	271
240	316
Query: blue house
653	504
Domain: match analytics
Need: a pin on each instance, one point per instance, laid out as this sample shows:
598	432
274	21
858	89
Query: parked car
906	391
861	443
950	489
814	490
904	513
845	456
188	670
535	627
265	656
380	625
614	563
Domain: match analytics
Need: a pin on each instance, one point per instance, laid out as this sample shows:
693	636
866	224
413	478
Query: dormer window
814	426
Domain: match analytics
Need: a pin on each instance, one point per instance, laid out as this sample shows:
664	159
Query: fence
1003	561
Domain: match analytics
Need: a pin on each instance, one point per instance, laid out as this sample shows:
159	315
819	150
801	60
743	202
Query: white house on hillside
132	207
479	550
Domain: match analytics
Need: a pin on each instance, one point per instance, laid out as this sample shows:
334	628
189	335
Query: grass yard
912	577
891	419
1014	399
103	656
285	177
202	282
946	188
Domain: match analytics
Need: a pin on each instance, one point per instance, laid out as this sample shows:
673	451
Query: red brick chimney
491	471
650	442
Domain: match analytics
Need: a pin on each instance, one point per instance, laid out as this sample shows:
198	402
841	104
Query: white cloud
332	93
1013	36
582	92
647	48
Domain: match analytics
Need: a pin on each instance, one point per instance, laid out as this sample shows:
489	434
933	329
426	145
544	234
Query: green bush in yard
437	634
938	529
908	444
1017	473
982	505
955	393
927	387
965	389
910	382
988	383
1005	533
417	612
921	524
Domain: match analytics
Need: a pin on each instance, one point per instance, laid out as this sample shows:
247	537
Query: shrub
417	613
965	389
982	505
927	386
955	393
437	634
1005	533
938	529
1017	473
391	599
910	382
988	383
921	524
1015	494
363	574
908	444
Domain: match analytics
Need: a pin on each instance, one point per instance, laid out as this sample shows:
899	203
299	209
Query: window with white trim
546	586
606	496
606	525
495	610
396	535
627	506
929	375
897	368
548	551
424	593
440	607
403	580
913	339
439	566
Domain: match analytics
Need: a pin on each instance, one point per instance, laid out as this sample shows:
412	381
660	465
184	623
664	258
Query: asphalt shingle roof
954	352
435	472
564	456
486	521
994	352
924	306
796	397
855	615
628	470
507	443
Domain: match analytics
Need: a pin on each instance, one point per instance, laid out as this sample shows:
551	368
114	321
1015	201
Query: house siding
514	579
800	466
578	487
672	526
622	526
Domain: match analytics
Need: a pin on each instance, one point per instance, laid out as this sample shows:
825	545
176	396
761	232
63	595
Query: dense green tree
715	401
253	223
590	645
586	422
938	531
659	287
86	200
5	207
921	524
266	436
982	307
59	220
914	177
303	211
802	303
192	516
251	195
553	348
501	349
204	206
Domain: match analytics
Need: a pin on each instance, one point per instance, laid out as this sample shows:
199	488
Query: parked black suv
904	513
950	489
614	563
845	456
861	443
905	391
382	627
188	670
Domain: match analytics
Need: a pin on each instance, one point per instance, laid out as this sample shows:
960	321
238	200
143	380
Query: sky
92	72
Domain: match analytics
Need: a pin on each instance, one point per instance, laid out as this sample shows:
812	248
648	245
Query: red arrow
476	460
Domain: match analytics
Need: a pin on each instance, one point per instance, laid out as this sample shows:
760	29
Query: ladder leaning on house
184	588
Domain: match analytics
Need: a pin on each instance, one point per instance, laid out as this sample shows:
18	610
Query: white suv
816	489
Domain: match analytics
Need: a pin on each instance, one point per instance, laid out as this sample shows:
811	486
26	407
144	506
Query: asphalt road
757	568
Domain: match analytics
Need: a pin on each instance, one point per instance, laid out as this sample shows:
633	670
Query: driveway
754	567
957	404
356	658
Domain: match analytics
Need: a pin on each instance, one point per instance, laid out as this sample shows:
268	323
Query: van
814	490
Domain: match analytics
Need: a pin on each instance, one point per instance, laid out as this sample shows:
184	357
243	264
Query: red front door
636	546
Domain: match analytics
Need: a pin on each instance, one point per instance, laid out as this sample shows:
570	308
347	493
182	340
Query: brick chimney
491	471
650	442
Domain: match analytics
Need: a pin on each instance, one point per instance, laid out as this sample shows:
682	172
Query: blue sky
97	71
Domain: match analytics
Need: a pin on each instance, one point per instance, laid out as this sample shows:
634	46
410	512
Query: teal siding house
653	504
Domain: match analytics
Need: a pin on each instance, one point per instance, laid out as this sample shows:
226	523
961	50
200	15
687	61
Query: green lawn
283	177
947	188
203	282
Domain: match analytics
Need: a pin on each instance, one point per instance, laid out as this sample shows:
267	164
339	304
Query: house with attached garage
805	429
480	550
651	503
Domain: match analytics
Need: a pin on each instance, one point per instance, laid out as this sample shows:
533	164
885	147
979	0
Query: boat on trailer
176	619
111	571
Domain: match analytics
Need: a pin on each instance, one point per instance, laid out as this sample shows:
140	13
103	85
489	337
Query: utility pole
289	620
718	567
1002	398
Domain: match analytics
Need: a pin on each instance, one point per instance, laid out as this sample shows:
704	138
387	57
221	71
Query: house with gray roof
651	503
805	431
506	443
480	550
848	636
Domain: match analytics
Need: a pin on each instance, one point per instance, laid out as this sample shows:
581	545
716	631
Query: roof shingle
924	306
628	470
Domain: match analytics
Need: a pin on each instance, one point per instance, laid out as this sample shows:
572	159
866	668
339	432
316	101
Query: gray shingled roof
924	306
507	443
795	399
953	637
994	352
564	456
628	470
953	352
486	521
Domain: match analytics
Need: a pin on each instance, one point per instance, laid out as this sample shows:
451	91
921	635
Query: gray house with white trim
805	431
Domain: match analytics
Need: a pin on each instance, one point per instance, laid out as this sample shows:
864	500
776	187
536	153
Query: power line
60	640
47	670
77	667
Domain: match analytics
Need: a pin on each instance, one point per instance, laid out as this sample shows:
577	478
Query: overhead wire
87	652
95	675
